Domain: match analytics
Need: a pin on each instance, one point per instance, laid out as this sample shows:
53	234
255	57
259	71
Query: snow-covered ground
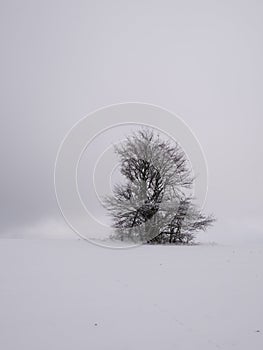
70	294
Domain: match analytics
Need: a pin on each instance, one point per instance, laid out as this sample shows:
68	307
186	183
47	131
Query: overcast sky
60	60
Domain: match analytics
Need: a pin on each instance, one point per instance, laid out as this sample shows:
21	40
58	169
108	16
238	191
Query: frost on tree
154	205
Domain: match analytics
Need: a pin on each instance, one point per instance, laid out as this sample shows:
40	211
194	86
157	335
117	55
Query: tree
154	204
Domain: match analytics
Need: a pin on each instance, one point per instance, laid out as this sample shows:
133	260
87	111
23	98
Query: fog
61	60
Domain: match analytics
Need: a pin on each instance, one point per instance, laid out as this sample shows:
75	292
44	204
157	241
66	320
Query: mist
62	60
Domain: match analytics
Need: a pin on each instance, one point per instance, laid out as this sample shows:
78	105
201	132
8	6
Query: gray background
61	60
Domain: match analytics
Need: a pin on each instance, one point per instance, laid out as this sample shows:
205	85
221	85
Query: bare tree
153	205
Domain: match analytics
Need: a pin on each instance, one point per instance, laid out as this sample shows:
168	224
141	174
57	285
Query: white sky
61	60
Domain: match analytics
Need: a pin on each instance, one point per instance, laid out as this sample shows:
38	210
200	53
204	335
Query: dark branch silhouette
154	205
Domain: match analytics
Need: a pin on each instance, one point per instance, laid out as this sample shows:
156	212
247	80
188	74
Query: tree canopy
154	204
